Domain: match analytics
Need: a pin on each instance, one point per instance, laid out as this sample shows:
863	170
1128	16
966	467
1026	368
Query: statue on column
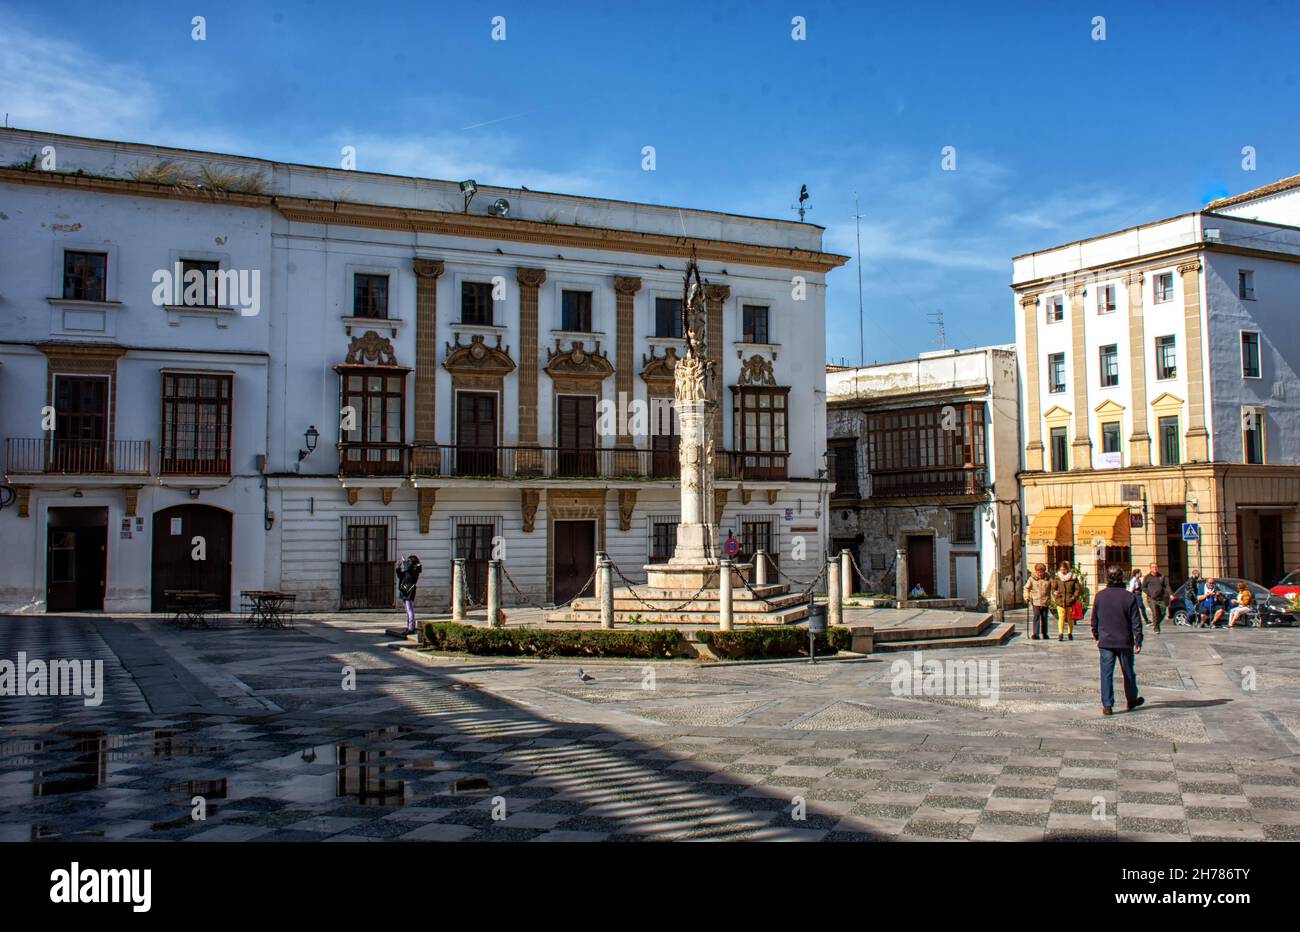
692	385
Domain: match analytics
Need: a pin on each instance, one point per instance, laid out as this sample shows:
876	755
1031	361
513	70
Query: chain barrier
530	603
657	608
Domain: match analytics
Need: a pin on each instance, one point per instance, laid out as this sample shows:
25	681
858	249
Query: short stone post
846	575
724	596
494	594
760	567
900	575
458	589
601	557
605	586
834	602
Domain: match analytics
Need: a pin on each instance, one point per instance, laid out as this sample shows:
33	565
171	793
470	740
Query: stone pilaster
625	289
1082	445
1139	444
1033	412
529	281
427	272
716	296
1198	438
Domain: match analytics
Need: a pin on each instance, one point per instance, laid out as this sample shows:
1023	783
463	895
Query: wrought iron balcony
374	459
38	455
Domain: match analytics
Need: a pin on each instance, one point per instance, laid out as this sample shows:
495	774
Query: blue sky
1058	136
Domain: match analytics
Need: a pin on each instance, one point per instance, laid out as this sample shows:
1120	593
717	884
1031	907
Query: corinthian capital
531	277
717	292
627	284
427	268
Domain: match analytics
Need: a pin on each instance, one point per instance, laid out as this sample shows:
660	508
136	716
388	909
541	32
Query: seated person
917	590
1211	605
1244	603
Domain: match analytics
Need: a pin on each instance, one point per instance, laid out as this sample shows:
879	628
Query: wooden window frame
74	278
1052	387
750	317
1166	345
1118	431
1160	295
365	300
1108	365
578	314
1061	463
359	454
1164	434
1259	355
755	460
207	458
476	304
673	319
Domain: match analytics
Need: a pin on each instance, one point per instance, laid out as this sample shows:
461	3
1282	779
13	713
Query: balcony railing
528	462
955	481
35	455
194	463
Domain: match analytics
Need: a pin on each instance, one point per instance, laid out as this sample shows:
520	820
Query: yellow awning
1054	525
1110	523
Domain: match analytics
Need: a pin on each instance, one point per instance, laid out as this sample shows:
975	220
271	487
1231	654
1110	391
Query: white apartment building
413	366
1160	389
925	458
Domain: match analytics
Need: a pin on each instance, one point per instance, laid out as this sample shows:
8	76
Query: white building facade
406	370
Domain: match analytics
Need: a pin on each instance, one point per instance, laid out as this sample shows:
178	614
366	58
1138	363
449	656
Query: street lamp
468	189
311	436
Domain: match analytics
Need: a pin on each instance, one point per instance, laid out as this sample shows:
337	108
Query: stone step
738	593
703	604
998	634
786	616
959	627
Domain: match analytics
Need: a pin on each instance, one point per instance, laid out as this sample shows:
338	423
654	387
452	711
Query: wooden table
266	608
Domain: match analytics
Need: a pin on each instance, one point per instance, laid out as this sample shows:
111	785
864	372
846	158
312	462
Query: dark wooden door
575	431
1271	566
367	576
474	545
920	563
476	434
1175	548
80	423
76	567
175	552
575	559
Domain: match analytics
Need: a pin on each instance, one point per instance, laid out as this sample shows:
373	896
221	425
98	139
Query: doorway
920	562
476	434
851	545
1175	547
575	432
1271	566
966	572
177	552
574	560
474	546
76	559
80	441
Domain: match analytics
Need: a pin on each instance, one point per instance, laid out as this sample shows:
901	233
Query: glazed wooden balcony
914	482
40	455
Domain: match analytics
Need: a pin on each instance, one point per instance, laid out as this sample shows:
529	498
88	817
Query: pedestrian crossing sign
1191	532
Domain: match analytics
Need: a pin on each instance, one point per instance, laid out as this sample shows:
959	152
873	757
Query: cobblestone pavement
260	724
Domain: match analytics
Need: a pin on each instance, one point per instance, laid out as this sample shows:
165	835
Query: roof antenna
857	220
936	318
803	199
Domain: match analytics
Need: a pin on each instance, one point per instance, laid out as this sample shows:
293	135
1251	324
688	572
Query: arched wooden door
174	552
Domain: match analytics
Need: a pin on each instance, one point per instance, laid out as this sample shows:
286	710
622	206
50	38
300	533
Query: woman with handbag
1066	593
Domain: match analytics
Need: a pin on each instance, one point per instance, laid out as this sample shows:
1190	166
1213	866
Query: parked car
1289	586
1271	611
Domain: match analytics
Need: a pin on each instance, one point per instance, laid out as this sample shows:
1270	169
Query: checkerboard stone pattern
500	750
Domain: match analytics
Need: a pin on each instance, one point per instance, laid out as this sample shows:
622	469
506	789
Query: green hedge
775	641
555	642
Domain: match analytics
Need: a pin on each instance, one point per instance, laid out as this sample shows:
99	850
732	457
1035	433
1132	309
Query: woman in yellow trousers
1066	591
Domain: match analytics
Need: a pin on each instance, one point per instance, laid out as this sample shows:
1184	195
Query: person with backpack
408	574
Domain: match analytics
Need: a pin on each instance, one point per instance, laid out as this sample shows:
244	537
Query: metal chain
649	605
514	585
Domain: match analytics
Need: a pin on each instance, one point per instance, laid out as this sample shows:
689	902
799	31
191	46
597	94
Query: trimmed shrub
554	642
774	641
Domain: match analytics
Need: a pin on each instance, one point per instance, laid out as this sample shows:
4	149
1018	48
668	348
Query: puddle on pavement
469	786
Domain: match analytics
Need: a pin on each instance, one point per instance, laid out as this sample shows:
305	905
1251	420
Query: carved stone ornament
626	284
428	268
659	368
370	349
478	357
626	505
531	278
528	501
757	371
577	362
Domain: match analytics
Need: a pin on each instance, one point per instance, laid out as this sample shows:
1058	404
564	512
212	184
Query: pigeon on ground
584	676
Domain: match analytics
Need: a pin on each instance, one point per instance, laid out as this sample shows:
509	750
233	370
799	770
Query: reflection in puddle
470	785
361	777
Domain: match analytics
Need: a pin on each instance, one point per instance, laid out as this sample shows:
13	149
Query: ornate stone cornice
1133	278
478	358
534	278
1029	300
659	368
371	349
627	284
1188	267
428	268
576	362
757	370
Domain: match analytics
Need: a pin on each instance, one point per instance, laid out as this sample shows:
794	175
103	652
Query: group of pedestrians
1062	592
1207	605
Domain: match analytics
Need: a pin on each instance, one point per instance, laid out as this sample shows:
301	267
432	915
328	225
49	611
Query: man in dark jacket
1117	629
1156	590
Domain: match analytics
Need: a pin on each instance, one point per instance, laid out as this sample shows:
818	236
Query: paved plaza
261	725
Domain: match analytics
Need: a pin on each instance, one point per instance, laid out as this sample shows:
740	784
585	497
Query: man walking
1155	589
1117	629
1038	593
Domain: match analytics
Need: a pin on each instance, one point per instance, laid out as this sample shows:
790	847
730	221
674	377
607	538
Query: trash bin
816	619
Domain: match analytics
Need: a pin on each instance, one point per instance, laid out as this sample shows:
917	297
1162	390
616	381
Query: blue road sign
1191	532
